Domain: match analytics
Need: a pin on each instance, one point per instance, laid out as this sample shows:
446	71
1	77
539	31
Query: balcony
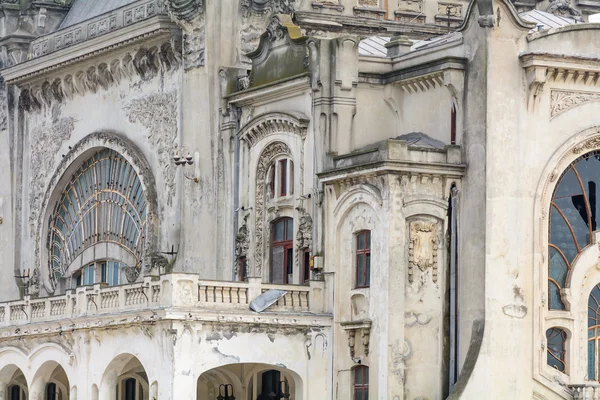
588	391
176	292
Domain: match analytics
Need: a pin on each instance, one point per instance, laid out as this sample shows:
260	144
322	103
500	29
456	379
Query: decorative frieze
423	248
563	100
142	63
587	145
101	25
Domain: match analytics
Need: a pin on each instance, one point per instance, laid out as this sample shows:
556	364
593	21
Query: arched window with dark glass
103	202
574	210
556	341
282	251
360	377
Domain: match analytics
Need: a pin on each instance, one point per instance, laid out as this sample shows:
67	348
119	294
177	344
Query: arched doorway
51	382
13	383
249	381
125	379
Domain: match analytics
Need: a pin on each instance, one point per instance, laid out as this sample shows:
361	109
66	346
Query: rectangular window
88	275
283	177
361	383
363	259
282	251
305	266
243	268
111	273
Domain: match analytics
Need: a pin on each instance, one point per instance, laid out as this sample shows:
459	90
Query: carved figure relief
270	152
242	240
563	100
45	143
423	248
563	8
304	234
158	114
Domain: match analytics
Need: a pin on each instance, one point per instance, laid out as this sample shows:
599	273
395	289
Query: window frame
366	253
243	268
305	266
362	388
280	178
286	244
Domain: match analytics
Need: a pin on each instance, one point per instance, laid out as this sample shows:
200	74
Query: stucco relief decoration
144	63
3	106
255	17
189	15
270	152
563	100
158	114
563	8
242	240
589	144
45	143
423	248
272	125
304	233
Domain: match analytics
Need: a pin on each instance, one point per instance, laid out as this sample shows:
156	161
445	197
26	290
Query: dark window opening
130	389
282	251
305	265
453	124
51	392
243	268
363	259
361	383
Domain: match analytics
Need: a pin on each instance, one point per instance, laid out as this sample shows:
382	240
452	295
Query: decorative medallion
423	248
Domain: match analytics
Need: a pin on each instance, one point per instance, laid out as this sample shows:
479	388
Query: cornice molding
155	27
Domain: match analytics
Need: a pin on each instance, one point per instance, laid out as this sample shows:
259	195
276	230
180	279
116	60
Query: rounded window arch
102	202
574	214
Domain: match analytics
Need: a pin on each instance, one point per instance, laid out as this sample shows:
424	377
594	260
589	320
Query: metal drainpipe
453	290
236	180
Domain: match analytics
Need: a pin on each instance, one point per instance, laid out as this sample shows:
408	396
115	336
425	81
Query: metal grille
103	202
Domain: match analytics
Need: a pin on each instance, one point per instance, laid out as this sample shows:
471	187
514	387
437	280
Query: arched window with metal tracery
574	213
103	202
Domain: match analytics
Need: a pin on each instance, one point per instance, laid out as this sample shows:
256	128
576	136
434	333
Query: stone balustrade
588	391
169	291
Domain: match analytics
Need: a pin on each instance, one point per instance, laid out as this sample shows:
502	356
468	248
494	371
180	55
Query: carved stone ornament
142	63
563	100
272	124
184	9
158	114
587	145
242	240
273	150
45	143
364	328
423	248
563	8
304	234
255	16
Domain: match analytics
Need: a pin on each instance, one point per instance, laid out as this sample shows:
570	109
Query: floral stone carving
45	143
563	100
423	248
589	144
158	113
273	150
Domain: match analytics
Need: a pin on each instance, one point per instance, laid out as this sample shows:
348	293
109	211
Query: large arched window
103	202
574	213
